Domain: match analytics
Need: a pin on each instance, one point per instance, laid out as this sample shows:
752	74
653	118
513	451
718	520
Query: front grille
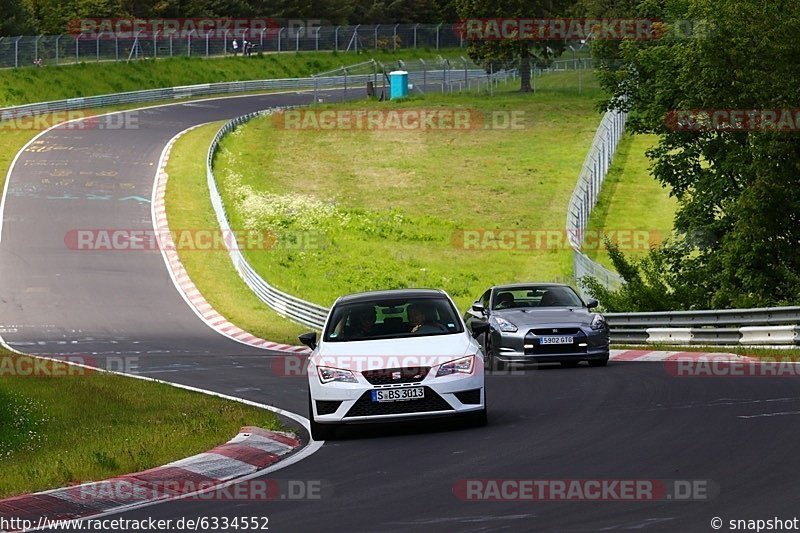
366	407
327	407
386	376
469	396
558	331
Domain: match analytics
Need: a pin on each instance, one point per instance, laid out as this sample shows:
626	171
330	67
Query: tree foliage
509	52
738	223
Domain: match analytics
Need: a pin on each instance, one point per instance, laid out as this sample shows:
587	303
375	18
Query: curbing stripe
246	454
182	281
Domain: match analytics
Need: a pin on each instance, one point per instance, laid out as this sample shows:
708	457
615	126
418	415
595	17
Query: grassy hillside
360	210
21	86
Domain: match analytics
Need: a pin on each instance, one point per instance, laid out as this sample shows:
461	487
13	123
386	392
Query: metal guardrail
285	304
352	82
584	197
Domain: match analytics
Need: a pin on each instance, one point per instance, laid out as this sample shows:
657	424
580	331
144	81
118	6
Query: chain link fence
584	197
70	48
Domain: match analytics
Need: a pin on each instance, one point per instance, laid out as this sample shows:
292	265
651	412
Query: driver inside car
422	319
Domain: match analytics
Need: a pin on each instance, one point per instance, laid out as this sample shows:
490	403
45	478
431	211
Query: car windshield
391	319
534	296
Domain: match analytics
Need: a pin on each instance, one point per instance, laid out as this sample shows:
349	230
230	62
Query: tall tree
520	52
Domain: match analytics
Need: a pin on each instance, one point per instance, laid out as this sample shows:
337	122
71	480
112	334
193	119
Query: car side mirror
309	339
479	308
592	303
479	327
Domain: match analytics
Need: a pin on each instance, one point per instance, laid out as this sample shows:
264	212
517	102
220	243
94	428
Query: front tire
319	431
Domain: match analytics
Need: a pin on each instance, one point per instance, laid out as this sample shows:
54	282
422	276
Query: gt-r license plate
398	395
559	339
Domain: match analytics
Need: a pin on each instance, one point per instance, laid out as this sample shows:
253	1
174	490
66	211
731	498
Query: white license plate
398	395
556	340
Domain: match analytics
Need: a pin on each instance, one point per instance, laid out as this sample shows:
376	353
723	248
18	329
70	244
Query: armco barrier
765	326
354	82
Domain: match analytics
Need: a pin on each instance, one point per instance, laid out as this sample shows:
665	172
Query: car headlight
598	322
504	325
328	374
457	366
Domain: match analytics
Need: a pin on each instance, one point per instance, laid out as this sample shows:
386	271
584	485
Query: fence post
297	40
280	31
376	36
36	47
77	53
355	37
189	44
16	51
170	45
57	39
155	44
415	35
316	39
394	37
336	38
437	35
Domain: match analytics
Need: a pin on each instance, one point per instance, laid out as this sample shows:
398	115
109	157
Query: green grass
60	430
189	207
633	208
384	206
21	86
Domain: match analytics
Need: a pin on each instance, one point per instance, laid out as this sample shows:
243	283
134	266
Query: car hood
393	353
551	315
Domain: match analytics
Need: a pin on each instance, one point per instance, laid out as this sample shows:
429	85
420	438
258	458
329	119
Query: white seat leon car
394	355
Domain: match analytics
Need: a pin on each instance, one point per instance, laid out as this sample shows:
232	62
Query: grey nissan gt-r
540	323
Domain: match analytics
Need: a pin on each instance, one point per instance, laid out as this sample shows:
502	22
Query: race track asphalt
629	421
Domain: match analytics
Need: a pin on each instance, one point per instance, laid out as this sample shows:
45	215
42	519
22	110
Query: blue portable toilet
398	84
